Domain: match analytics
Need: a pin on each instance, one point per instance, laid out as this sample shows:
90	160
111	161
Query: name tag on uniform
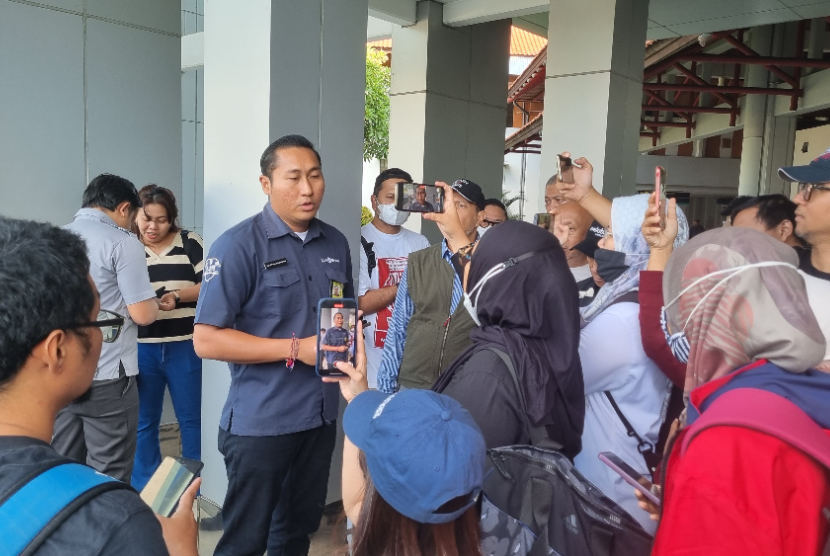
336	290
274	264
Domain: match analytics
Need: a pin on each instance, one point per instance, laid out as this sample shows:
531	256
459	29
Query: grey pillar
594	88
779	132
86	88
273	68
815	39
754	115
448	107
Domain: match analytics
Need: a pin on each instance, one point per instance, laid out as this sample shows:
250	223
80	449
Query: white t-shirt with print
818	295
391	255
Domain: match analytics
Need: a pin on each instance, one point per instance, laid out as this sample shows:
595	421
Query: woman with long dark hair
413	468
166	358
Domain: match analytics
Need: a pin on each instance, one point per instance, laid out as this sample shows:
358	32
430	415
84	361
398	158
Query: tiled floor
328	541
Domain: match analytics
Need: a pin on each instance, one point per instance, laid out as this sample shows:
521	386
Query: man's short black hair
388	174
43	272
107	191
268	161
772	209
496	203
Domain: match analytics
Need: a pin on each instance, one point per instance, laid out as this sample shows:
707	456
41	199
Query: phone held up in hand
630	476
542	219
169	482
336	325
660	191
562	162
419	197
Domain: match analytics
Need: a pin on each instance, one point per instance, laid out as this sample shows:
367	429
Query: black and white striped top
176	268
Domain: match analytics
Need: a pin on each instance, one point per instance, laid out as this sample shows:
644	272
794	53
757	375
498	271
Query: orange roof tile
383	44
522	43
525	43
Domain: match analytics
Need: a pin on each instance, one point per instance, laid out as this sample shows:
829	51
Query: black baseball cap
470	191
817	171
590	244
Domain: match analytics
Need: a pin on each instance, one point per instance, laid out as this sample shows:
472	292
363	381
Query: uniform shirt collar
100	216
275	227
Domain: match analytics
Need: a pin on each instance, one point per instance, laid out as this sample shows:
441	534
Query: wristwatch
178	299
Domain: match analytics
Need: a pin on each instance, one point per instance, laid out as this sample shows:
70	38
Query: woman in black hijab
524	297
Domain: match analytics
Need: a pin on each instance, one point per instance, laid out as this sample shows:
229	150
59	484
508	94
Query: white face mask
481	231
731	273
392	216
469	304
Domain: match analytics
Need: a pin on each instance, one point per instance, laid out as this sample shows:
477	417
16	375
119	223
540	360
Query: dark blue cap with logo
590	244
470	191
422	450
817	171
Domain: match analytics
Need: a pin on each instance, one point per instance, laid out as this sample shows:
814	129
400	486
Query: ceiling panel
675	12
733	22
797	3
813	10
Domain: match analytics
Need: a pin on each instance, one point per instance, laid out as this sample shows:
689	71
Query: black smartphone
419	197
629	475
160	292
336	325
169	482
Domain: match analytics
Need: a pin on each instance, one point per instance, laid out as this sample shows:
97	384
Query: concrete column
86	88
593	88
815	39
259	85
448	111
754	115
779	132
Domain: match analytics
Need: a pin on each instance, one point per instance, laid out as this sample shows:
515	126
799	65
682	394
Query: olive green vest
434	338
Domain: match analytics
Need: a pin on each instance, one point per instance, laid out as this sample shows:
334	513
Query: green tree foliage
376	118
366	215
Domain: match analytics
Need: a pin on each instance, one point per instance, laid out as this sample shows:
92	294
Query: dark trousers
101	430
276	491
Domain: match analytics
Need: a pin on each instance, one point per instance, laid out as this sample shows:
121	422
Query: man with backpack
51	333
385	251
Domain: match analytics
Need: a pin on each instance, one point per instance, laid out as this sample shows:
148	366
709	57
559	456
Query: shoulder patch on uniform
212	267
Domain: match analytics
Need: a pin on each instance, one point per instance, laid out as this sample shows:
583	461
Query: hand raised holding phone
355	380
577	178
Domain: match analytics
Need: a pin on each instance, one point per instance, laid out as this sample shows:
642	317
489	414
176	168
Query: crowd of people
700	358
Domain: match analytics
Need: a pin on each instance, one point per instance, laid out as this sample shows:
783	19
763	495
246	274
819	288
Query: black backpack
536	503
368	248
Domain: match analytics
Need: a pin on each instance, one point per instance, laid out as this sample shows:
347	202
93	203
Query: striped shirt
176	268
390	365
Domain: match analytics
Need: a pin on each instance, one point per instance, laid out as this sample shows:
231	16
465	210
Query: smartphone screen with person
629	474
337	323
563	164
542	219
660	191
169	482
419	197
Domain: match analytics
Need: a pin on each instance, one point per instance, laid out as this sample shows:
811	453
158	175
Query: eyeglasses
110	324
808	188
488	223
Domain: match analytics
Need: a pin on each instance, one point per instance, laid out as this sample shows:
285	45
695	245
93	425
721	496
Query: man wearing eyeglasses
812	224
50	341
494	213
100	428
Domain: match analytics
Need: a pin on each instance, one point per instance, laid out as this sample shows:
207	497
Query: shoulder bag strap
31	514
538	435
368	248
645	447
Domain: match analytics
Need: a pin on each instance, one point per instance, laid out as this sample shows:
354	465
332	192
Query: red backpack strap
765	412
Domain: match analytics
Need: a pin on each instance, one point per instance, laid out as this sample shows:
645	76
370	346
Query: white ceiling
667	18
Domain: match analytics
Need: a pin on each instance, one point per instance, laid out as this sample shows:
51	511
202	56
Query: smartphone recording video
563	163
542	219
419	197
169	482
629	475
337	324
660	190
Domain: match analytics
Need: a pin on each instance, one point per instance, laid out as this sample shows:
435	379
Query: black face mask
610	264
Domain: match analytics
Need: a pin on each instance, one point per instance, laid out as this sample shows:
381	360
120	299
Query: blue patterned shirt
390	365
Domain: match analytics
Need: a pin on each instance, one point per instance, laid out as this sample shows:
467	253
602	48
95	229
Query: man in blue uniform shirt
336	342
262	281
